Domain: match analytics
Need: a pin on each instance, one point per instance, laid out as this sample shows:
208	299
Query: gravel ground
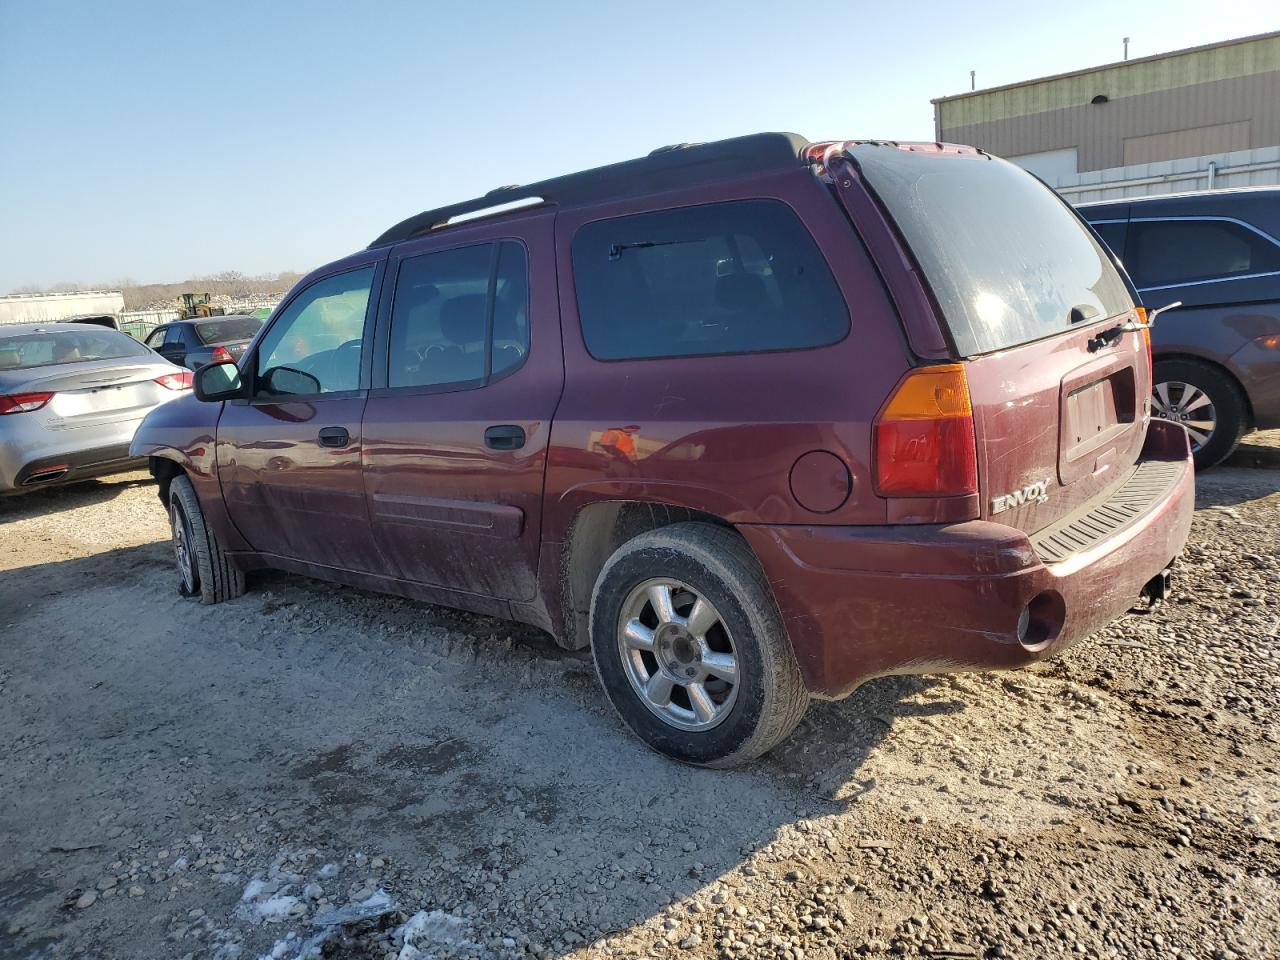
221	782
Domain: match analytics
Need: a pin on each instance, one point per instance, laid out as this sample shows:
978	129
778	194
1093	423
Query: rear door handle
504	436
334	437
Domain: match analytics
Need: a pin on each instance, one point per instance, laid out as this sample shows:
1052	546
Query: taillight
1141	313
176	381
221	354
924	441
23	402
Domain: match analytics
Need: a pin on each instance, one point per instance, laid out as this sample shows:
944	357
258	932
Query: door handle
334	437
505	436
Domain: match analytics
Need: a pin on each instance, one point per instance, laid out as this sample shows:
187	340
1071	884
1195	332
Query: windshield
47	348
228	329
1007	260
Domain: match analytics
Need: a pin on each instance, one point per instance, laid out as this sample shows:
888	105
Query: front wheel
690	648
1204	400
204	570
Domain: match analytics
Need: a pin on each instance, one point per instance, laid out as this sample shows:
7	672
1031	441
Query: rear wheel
1204	400
690	649
204	570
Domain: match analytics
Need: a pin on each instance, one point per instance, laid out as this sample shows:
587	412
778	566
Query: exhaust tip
1041	620
47	474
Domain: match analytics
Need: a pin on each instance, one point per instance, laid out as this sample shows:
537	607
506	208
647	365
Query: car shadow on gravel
87	493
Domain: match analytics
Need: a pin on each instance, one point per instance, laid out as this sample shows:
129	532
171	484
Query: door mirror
218	381
289	380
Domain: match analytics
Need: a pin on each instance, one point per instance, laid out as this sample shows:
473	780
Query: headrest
462	318
740	291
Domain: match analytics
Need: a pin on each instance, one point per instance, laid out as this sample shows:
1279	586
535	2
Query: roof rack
665	168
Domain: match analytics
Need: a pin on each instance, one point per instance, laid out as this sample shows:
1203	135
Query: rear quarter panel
721	434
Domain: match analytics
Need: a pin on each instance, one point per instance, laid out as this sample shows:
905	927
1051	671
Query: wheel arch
1215	362
164	466
595	532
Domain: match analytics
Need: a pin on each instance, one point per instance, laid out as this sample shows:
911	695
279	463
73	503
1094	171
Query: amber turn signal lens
931	393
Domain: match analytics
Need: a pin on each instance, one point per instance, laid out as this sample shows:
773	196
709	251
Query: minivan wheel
1204	400
690	648
204	570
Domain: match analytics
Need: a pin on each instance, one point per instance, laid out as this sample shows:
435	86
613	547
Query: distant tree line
230	284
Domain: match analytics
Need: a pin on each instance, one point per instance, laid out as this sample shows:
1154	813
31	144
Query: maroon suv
758	420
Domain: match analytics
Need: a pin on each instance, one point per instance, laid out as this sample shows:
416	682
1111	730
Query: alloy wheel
678	654
1187	404
182	547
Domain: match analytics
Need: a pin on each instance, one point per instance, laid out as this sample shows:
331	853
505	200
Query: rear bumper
862	602
39	457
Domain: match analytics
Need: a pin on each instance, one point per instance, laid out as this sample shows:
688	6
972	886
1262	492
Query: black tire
769	697
212	576
1229	409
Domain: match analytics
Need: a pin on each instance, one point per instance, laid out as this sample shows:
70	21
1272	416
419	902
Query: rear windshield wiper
615	249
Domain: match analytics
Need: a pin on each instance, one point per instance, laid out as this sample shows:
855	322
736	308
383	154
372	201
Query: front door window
320	334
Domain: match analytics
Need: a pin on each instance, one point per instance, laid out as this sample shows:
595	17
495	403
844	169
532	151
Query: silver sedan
71	399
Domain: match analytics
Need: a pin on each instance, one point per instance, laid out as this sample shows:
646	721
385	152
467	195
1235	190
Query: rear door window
1169	253
460	317
1008	261
738	277
1112	234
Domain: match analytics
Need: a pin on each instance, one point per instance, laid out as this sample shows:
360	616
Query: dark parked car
758	420
193	343
1217	357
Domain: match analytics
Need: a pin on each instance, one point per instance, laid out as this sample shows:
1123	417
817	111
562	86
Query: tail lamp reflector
924	440
23	402
176	381
220	354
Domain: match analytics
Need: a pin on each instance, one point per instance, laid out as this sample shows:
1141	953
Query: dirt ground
215	782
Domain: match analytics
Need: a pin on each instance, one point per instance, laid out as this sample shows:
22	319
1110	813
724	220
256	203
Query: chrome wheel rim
182	547
1187	404
678	654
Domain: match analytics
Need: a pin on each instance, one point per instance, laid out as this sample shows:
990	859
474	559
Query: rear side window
460	316
1007	260
1174	252
737	277
1112	234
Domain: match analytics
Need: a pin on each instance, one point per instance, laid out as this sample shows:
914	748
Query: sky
162	141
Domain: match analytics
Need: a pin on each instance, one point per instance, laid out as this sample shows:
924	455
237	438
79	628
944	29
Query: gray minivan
1217	357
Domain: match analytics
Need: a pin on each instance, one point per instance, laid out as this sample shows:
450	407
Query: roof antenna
1126	48
973	79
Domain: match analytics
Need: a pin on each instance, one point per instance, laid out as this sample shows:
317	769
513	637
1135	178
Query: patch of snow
328	871
429	935
377	905
280	908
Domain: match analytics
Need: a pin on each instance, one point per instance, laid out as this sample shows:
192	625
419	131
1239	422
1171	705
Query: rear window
80	346
738	277
1007	260
225	331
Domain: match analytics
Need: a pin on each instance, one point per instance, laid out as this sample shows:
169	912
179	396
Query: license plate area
1099	414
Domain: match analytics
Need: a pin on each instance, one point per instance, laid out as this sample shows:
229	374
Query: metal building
48	307
1192	119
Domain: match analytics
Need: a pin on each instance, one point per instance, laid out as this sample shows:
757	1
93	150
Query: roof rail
665	168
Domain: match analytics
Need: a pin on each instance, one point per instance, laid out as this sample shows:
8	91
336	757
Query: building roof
1106	66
